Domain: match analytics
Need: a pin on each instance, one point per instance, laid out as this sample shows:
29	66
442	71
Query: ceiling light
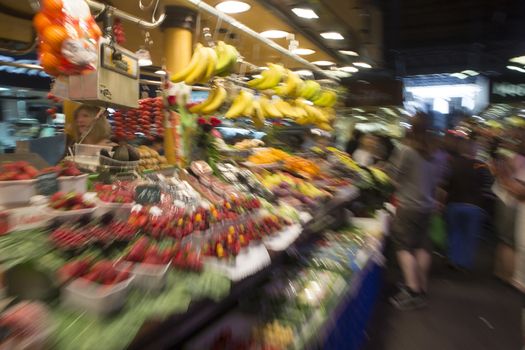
332	36
303	52
459	75
349	52
470	72
519	69
323	63
144	57
519	60
362	65
3	89
233	6
304	72
349	69
274	34
160	72
305	13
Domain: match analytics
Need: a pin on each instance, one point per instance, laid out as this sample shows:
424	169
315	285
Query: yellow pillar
68	108
178	26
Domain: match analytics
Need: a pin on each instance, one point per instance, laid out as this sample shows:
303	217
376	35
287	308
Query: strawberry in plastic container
68	37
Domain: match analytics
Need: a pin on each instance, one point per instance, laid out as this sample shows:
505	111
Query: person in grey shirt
416	170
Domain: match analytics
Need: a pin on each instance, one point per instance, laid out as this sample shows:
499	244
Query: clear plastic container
76	184
148	277
17	191
82	150
95	298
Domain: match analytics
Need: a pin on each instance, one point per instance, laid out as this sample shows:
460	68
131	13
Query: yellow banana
310	89
285	108
269	78
269	109
200	70
198	107
212	62
216	102
291	86
240	103
227	56
326	99
258	114
195	60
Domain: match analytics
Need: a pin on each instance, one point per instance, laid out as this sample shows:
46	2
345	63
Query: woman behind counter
90	127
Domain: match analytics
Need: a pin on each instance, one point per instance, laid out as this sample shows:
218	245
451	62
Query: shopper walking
466	182
416	171
510	187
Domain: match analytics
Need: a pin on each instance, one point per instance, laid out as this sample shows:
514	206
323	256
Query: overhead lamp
362	65
459	75
349	52
349	69
3	89
323	63
304	72
303	52
305	13
470	72
232	6
160	72
518	69
519	60
144	57
332	36
274	34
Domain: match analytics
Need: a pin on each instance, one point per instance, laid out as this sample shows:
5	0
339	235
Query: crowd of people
472	178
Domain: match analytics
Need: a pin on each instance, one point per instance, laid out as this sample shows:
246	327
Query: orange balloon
52	7
50	63
54	35
41	21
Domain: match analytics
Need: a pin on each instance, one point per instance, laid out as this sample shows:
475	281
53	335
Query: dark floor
466	312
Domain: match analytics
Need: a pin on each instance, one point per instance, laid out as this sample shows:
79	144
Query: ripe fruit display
207	62
118	193
65	168
147	119
69	201
101	272
20	170
148	252
68	37
212	103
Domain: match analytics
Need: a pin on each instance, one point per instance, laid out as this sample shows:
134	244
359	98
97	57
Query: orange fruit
94	31
41	21
45	47
52	7
54	35
50	63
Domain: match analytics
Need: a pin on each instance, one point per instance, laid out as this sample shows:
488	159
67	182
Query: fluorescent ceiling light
470	72
332	36
459	75
519	60
3	89
304	72
305	13
303	52
144	57
349	69
519	69
256	76
349	52
323	63
160	72
274	34
233	6
362	65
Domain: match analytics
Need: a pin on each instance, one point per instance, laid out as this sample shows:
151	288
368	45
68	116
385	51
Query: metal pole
126	16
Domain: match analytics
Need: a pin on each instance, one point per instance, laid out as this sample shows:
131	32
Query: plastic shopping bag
438	232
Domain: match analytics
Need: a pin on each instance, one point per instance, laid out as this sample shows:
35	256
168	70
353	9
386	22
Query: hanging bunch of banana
269	78
291	87
215	99
310	90
326	98
242	105
207	62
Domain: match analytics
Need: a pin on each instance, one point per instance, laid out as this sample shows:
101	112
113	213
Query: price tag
47	184
147	194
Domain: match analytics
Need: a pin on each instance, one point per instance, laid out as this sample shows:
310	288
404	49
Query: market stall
171	233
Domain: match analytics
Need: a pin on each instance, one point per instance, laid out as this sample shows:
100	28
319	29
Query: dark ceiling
436	36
